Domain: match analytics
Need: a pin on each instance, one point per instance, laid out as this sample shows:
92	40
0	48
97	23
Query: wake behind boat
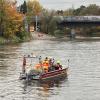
46	69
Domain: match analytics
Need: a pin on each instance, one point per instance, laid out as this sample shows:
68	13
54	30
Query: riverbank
40	35
16	39
43	36
11	41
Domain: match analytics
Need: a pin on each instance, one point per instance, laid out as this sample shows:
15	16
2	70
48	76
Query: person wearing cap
51	65
40	59
46	59
24	64
58	66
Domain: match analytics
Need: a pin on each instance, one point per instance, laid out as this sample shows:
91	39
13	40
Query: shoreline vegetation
12	40
15	39
29	37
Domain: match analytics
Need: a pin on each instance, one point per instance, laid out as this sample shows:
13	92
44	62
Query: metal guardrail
73	18
82	18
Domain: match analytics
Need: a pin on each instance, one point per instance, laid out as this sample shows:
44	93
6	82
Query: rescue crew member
40	59
24	64
45	65
58	66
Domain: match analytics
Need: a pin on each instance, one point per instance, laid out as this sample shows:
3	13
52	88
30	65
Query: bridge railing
82	18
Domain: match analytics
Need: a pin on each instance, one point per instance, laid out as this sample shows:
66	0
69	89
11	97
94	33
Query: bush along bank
19	37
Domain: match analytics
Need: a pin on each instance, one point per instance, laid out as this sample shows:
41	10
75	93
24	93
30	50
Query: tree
2	16
60	12
34	7
23	8
11	20
69	12
93	9
80	10
48	22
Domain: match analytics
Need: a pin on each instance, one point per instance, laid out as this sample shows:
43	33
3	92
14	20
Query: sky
64	4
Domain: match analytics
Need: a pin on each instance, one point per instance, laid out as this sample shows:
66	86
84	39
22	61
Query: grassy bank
16	38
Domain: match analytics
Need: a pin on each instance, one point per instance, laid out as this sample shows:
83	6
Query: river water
83	82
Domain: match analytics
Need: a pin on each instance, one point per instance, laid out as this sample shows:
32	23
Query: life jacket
45	66
37	66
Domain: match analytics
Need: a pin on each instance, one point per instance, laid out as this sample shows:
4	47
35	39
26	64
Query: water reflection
43	89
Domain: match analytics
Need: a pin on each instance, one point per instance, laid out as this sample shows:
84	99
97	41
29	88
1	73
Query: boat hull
54	74
57	74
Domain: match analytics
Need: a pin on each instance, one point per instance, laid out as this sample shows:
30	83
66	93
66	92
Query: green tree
23	8
79	11
93	9
49	21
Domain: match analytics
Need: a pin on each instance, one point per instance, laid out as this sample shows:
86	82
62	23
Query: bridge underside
81	28
75	24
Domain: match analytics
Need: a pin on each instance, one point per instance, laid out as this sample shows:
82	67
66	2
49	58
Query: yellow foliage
13	19
34	6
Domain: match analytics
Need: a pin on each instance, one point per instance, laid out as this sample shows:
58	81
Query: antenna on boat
68	62
24	64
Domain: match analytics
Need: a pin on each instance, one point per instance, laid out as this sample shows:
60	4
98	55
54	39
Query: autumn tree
2	16
10	19
33	8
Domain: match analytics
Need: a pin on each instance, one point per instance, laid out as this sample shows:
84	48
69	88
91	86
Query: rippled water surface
83	82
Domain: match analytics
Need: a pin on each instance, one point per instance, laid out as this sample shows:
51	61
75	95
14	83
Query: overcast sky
64	4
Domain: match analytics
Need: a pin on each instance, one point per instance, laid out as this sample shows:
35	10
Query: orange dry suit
45	66
37	66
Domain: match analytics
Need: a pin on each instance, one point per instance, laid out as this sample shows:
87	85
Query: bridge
79	21
73	21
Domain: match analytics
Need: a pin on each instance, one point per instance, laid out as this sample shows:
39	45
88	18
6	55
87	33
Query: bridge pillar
36	22
73	33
